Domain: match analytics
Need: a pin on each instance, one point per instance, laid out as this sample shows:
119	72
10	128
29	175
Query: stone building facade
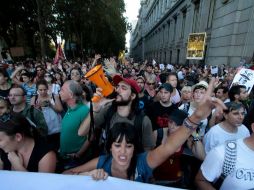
163	28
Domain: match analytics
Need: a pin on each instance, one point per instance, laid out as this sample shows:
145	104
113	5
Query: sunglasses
148	83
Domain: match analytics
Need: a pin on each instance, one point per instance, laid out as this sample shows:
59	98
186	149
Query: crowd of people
177	125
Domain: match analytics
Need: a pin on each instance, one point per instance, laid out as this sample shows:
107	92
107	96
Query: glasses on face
14	95
148	83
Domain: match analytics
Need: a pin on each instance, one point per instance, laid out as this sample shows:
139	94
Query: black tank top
40	149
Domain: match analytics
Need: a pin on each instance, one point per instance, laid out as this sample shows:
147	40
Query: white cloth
176	98
202	127
180	75
241	178
42	181
217	136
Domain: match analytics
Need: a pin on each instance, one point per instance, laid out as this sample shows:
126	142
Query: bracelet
188	124
193	122
196	139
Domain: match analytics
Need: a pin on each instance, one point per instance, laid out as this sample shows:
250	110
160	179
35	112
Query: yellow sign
196	46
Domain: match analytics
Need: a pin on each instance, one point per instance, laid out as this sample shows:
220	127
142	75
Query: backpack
138	121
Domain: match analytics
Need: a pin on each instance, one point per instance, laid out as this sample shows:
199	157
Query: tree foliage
87	26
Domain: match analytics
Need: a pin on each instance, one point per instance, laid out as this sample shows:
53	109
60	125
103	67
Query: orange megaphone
96	76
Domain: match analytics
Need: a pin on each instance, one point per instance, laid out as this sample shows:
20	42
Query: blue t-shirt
143	171
30	91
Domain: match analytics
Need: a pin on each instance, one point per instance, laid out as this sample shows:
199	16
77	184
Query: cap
178	116
131	82
201	83
167	87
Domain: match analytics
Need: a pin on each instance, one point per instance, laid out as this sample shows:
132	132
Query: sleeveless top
39	151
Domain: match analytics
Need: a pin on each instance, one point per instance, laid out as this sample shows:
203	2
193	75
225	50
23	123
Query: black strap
138	124
159	136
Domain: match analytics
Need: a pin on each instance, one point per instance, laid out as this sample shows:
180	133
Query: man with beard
144	100
124	108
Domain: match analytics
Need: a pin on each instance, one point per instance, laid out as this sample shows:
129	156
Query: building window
196	18
163	35
211	13
175	24
168	31
170	57
178	56
183	24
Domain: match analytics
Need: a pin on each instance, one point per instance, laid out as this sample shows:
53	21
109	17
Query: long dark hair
12	124
117	134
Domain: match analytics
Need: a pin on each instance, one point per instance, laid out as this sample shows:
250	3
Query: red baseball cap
131	82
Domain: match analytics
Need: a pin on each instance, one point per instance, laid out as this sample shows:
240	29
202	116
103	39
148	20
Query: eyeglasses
148	83
14	95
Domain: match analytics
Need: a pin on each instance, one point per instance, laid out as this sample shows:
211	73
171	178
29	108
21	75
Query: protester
173	80
5	106
25	150
144	99
5	83
123	161
17	99
25	81
229	166
124	108
229	129
50	105
72	144
150	87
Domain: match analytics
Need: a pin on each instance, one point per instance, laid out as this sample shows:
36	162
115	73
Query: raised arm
175	140
85	126
14	75
58	107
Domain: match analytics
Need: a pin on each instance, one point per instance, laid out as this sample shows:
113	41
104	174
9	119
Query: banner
214	70
196	46
244	77
13	180
59	54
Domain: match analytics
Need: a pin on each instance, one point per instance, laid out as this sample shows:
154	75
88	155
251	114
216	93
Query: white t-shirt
176	98
217	136
241	178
